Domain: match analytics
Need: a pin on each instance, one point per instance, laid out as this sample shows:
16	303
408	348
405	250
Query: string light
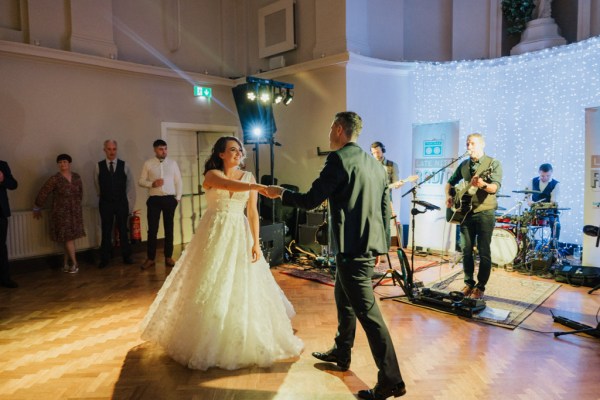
531	110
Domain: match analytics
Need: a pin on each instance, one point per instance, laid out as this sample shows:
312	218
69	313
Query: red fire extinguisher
135	227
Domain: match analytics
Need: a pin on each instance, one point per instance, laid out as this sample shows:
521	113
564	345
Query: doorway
190	145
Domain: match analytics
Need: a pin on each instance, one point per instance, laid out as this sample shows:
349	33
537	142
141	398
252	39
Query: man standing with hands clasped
163	179
356	187
116	192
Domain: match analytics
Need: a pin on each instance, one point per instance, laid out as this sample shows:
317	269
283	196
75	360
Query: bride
220	306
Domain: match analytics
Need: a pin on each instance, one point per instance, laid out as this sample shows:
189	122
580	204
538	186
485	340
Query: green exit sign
200	91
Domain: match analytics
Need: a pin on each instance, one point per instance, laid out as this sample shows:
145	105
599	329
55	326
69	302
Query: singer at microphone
474	209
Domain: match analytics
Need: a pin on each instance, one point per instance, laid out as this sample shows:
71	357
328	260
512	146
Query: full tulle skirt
219	309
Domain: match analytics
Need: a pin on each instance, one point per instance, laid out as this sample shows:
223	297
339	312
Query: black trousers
157	205
477	227
354	299
4	268
114	212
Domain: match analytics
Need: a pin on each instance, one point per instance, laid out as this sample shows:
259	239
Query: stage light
252	91
257	131
268	90
288	97
264	94
279	95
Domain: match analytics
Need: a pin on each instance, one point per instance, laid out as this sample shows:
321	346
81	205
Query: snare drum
503	247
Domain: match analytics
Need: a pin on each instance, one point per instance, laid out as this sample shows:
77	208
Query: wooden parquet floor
76	336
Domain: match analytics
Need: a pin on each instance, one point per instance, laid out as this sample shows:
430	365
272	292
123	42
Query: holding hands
273	192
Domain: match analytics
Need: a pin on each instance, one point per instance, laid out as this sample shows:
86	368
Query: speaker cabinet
272	237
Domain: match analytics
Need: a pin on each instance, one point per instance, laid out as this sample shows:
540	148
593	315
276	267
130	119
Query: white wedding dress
217	308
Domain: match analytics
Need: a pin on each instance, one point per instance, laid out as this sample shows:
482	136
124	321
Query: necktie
112	167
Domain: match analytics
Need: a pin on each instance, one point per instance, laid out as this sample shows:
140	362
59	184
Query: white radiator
28	237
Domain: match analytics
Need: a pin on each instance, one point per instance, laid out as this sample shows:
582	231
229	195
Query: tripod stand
400	279
578	327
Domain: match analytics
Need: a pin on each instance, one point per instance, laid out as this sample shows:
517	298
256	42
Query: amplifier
578	275
306	234
272	237
315	218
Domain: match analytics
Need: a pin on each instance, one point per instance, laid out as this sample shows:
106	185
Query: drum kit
523	238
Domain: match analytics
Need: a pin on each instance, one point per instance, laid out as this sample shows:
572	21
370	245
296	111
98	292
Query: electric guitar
461	204
397	184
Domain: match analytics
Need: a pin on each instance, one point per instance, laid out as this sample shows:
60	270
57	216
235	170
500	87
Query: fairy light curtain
530	109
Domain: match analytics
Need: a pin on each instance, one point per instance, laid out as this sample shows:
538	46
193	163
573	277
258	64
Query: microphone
466	153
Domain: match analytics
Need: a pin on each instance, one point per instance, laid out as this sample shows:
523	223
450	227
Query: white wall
304	125
427	30
51	107
380	92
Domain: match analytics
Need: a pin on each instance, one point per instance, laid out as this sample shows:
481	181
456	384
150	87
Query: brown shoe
477	294
169	262
148	263
467	290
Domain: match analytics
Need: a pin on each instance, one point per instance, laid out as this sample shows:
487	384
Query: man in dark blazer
7	182
359	214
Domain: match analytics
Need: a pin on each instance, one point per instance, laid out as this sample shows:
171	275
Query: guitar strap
483	166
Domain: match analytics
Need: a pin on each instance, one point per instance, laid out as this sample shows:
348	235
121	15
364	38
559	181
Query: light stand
256	163
271	143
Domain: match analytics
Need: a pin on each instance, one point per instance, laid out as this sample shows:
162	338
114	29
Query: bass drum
503	247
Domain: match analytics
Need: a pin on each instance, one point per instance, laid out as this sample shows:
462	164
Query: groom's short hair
351	122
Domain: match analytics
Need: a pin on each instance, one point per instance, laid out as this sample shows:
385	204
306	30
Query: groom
356	187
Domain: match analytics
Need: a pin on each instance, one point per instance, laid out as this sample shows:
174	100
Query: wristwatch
484	186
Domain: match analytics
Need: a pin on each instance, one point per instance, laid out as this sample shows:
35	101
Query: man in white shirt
162	178
116	197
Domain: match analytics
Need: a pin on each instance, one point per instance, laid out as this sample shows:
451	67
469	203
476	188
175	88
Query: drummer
549	190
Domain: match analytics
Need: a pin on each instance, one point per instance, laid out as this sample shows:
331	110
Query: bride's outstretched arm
216	179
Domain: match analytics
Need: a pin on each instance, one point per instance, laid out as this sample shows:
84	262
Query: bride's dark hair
214	161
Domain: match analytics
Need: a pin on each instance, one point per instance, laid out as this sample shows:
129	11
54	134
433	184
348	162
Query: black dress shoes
330	356
382	392
127	260
103	264
9	283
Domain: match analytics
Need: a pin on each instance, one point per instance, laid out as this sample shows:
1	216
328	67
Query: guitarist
391	168
478	224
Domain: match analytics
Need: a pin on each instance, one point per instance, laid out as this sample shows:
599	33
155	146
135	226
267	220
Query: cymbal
501	208
563	209
527	191
503	195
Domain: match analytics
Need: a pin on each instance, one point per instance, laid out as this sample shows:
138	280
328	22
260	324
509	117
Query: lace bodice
223	200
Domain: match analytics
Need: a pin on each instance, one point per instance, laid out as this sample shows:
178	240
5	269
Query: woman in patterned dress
66	215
